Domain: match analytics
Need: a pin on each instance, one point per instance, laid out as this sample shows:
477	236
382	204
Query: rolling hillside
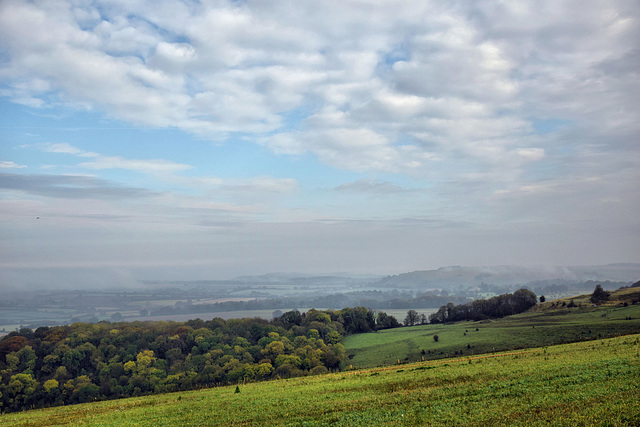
549	323
587	383
451	278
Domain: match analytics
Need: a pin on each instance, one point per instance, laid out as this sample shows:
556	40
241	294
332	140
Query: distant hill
306	279
456	276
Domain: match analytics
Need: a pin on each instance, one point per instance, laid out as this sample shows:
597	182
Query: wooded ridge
86	362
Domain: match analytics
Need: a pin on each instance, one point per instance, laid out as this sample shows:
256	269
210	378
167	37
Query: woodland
84	362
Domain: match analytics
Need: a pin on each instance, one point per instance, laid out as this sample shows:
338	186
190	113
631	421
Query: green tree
13	361
314	315
318	370
333	337
50	384
50	364
412	318
82	389
599	295
52	391
290	359
273	350
357	320
21	389
290	318
386	321
27	358
117	317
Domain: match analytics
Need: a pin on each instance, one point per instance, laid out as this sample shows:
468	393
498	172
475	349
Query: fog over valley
270	295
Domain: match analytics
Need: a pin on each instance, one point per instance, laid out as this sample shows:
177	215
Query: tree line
495	307
94	361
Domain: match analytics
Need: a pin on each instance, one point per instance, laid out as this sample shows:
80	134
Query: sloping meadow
587	383
536	328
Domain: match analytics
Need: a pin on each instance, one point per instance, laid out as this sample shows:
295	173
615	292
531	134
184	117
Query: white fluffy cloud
390	87
501	111
10	165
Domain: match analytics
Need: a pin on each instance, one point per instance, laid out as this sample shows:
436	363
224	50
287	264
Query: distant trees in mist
498	306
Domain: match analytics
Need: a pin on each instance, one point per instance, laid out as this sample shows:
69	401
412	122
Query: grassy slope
541	327
588	383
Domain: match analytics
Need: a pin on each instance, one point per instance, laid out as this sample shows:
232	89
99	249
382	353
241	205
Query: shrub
319	370
599	295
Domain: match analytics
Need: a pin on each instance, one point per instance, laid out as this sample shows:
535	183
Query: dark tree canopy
85	362
412	318
499	306
385	321
599	295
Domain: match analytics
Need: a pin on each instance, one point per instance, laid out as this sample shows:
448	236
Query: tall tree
412	318
599	295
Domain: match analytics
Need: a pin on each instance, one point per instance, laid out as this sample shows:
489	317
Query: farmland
542	327
561	362
587	383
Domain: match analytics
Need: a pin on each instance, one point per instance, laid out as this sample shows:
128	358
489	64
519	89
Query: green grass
581	384
532	329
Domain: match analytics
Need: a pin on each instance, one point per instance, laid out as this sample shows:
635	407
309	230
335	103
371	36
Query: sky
208	139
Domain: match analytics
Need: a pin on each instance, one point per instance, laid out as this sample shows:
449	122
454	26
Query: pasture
587	383
535	328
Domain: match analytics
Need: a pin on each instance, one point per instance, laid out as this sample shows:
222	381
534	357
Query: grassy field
539	328
581	384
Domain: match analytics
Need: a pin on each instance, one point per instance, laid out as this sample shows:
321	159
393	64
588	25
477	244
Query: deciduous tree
599	295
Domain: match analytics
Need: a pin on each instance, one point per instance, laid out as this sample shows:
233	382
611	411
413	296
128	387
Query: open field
532	329
587	383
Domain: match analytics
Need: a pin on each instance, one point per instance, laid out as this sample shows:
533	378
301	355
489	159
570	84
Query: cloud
351	149
11	165
61	148
263	184
150	166
531	154
168	171
144	166
373	187
390	90
70	187
511	114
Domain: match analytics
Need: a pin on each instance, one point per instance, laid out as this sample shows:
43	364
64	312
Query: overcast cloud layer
209	139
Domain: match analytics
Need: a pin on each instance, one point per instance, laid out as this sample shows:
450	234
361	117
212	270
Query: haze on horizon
206	140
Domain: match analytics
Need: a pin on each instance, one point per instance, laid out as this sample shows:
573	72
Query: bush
319	370
599	295
288	371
